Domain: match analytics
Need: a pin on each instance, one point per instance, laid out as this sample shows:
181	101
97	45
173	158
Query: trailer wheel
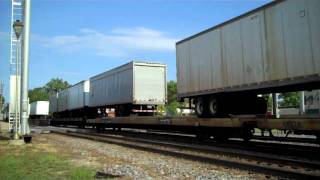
261	106
123	110
213	106
200	107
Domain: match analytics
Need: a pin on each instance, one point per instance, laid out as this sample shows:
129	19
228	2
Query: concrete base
17	142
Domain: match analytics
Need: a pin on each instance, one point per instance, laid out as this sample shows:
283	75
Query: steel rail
257	162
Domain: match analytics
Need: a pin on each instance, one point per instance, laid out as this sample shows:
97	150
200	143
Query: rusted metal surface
286	123
278	43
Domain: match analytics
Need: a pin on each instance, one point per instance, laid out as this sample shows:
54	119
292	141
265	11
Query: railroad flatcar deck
298	123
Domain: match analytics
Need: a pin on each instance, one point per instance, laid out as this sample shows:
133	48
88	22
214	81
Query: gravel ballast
114	161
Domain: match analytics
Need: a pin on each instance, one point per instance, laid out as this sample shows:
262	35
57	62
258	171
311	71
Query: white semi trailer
136	87
274	48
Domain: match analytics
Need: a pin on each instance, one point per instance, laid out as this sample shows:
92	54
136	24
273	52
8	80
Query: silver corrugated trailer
274	46
74	97
53	103
135	83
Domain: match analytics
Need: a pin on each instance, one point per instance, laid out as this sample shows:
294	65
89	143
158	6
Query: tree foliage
56	85
172	92
38	94
43	93
289	99
2	100
172	105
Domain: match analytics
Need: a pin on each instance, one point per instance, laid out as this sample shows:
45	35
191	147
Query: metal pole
1	93
24	70
302	105
275	110
16	135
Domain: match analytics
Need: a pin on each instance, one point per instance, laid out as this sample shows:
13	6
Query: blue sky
77	39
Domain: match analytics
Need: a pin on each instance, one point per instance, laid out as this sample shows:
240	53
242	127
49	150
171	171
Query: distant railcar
133	88
136	87
71	102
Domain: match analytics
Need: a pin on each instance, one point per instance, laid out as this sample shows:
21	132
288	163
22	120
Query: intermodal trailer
39	108
274	48
136	87
39	113
73	101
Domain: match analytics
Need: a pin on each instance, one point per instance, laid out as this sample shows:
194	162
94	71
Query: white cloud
116	43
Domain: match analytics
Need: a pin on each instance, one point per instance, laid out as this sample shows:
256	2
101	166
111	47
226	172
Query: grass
25	162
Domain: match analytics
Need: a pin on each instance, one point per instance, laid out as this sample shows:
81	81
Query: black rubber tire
201	107
122	110
213	106
261	105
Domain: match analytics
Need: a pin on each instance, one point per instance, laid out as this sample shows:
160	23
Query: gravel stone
129	163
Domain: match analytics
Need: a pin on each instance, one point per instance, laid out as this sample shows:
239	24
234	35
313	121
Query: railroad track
271	147
288	139
274	165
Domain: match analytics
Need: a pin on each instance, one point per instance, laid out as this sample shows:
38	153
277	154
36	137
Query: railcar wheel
221	138
200	107
213	106
318	138
247	134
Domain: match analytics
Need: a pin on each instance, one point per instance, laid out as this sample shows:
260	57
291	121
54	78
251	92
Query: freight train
221	71
133	88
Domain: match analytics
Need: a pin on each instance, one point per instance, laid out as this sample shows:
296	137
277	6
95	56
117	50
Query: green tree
2	100
172	105
56	85
43	93
289	99
38	94
172	92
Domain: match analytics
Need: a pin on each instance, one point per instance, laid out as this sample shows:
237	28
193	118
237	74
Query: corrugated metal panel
252	50
124	85
276	66
78	95
63	100
39	108
297	38
53	105
233	53
183	68
74	97
313	14
112	87
279	42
